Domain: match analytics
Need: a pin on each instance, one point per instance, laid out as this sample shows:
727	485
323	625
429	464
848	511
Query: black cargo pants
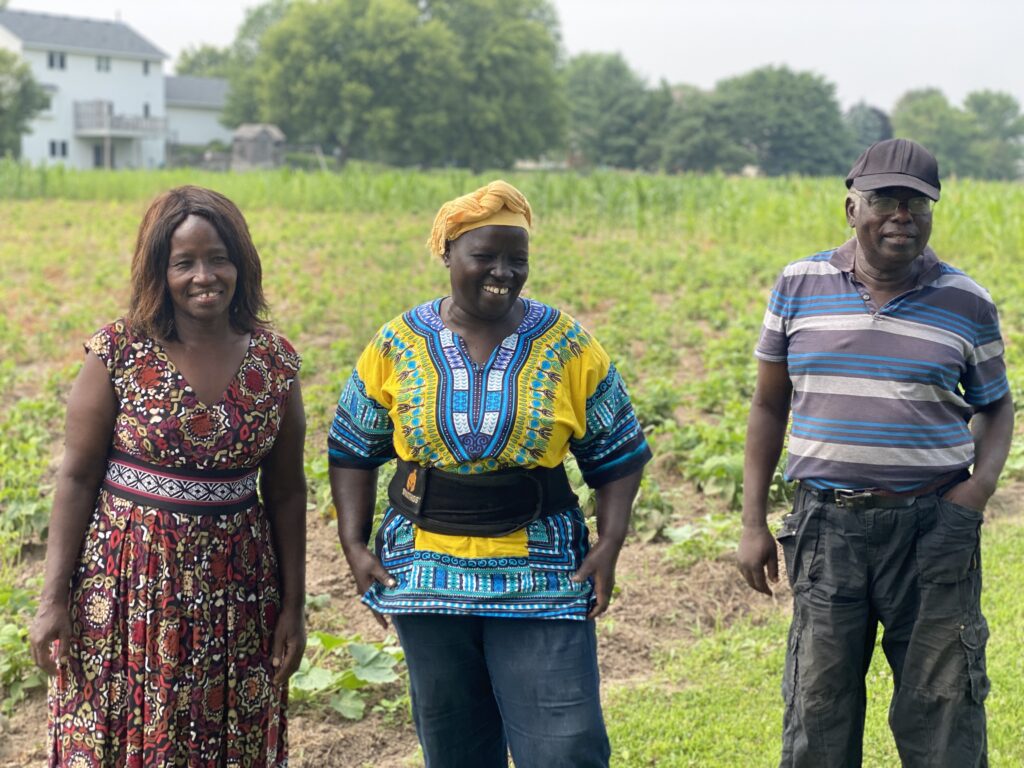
915	569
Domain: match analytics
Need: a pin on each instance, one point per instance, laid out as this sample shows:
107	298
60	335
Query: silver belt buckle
843	496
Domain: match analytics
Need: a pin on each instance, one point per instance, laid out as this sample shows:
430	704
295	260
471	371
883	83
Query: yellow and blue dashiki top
548	388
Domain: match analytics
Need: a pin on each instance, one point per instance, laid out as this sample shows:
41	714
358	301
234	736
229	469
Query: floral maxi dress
175	595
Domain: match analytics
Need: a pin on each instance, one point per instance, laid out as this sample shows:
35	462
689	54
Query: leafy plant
652	510
705	538
341	671
18	674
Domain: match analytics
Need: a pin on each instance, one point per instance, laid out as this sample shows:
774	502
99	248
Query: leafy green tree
449	82
997	113
607	105
998	149
510	101
205	61
699	135
654	123
789	121
374	78
867	125
21	99
951	134
244	103
982	140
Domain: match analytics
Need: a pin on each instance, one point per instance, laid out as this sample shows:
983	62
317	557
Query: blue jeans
482	686
916	571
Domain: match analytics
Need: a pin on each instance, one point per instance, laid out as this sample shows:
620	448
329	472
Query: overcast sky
872	50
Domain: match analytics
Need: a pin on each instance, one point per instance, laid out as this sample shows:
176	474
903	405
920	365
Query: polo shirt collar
930	269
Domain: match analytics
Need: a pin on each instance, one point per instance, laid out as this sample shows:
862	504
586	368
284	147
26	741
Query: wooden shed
256	146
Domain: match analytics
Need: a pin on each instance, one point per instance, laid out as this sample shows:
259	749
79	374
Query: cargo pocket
799	539
973	638
950	549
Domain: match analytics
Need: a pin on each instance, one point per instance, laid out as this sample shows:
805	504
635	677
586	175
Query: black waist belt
855	499
486	504
874	499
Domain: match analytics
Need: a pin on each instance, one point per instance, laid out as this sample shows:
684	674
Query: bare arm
992	427
614	505
283	484
89	425
756	556
354	492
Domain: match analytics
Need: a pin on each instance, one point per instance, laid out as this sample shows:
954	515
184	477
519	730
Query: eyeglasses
885	206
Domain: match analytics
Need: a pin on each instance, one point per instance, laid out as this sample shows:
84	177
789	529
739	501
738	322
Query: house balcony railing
97	118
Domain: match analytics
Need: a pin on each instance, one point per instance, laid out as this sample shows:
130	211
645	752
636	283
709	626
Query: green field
671	273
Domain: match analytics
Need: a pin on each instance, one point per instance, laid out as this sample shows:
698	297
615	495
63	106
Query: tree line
483	83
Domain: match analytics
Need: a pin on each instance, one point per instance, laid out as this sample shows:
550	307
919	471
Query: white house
194	107
106	89
110	104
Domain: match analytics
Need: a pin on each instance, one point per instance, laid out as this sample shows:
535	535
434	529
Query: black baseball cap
896	163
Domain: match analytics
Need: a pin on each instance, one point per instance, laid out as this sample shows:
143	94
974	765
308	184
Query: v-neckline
187	387
463	347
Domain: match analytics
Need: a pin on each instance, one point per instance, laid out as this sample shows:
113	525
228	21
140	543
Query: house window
102	63
145	67
58	149
56	60
48	91
145	109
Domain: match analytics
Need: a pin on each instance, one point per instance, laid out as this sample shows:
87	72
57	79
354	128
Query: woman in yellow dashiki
482	559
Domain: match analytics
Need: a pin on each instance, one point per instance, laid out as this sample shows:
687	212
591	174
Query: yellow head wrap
497	203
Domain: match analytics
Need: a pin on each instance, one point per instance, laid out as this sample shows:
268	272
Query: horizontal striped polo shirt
882	397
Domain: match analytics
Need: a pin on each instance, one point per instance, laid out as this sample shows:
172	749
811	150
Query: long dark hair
150	310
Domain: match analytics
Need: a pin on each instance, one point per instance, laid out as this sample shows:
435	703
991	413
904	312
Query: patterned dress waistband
189	490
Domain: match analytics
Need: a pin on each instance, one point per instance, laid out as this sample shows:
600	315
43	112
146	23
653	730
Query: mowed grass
717	703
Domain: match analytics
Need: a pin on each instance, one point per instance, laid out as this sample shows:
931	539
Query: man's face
892	239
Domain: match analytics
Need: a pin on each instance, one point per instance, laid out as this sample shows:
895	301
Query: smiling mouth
900	241
496	290
206	295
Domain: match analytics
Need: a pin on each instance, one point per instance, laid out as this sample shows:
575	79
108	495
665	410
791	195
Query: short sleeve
109	344
613	444
361	435
984	379
773	344
285	361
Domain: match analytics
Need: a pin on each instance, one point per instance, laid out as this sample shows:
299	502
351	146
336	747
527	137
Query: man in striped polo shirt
892	364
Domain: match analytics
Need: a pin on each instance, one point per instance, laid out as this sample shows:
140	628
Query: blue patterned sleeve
614	444
361	433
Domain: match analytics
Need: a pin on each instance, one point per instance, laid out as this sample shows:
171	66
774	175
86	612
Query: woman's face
488	267
200	275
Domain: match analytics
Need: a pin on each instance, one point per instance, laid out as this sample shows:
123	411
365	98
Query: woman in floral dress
172	608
